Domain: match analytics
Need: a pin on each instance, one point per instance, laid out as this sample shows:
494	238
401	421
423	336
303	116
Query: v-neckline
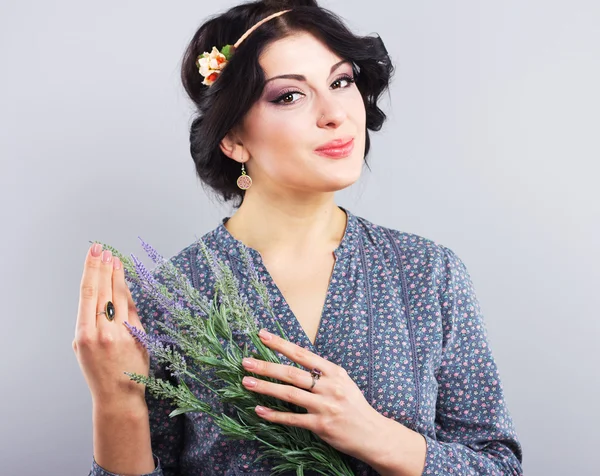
346	245
300	330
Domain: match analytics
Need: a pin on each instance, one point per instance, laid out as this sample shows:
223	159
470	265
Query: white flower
210	65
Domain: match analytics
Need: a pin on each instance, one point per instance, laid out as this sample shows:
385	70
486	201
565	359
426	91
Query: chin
340	186
334	184
346	176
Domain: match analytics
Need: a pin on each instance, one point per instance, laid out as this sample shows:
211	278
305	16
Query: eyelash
348	78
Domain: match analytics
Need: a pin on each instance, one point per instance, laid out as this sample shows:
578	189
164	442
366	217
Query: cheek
278	134
275	136
358	108
284	131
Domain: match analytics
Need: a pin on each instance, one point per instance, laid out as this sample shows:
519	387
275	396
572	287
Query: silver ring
316	375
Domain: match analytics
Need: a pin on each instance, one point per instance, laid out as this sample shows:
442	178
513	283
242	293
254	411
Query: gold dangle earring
244	181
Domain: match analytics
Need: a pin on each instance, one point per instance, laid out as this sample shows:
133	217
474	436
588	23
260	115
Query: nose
331	113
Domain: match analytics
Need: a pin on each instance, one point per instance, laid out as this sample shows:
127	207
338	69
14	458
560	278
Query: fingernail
106	256
264	334
261	410
96	249
249	382
117	262
248	363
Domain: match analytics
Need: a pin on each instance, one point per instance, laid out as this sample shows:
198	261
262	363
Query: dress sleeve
97	470
475	434
166	433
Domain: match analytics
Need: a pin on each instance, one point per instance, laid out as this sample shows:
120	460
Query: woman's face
295	116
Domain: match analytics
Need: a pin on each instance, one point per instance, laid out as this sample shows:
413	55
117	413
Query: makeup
336	149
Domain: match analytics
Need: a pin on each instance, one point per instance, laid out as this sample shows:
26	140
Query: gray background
491	148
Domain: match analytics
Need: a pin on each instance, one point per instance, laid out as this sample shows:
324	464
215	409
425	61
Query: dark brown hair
222	106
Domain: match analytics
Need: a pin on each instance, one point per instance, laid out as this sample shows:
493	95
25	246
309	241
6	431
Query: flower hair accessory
211	64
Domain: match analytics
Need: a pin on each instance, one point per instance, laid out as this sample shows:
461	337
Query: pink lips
337	149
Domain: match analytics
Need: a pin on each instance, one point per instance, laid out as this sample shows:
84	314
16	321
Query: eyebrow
301	77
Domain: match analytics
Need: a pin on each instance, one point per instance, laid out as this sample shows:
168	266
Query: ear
233	148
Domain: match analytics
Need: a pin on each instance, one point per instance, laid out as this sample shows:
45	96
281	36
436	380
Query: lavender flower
150	284
249	263
178	368
212	260
193	343
144	275
139	335
183	288
256	281
129	275
167	340
151	252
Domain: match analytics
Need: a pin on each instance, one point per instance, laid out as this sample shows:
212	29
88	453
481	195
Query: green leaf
210	361
207	340
227	51
179	411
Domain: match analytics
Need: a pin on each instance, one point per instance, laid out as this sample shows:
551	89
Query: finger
286	373
104	289
287	393
88	294
133	316
306	420
119	294
296	353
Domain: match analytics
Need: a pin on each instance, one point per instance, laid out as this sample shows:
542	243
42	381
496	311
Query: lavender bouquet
202	339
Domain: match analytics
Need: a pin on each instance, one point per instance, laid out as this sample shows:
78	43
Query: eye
288	94
347	78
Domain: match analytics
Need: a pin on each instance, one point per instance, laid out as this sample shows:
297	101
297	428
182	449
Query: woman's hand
337	409
105	349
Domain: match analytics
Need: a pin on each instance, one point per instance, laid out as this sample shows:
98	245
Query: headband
210	64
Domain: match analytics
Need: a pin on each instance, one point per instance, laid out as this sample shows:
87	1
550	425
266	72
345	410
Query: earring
244	181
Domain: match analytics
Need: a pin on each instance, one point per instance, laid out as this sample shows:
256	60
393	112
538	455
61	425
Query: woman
409	385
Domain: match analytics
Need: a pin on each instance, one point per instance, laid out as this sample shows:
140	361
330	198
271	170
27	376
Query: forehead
298	53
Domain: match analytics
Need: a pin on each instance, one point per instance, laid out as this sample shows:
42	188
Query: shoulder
415	253
410	244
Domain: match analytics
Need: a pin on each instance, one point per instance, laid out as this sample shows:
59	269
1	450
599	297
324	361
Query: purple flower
173	367
151	252
150	284
139	335
143	273
156	344
215	265
128	276
211	259
249	263
166	339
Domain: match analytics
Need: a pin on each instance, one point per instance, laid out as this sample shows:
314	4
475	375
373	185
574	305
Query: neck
276	227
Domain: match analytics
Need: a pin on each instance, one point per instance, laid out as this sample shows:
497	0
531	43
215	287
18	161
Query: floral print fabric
401	316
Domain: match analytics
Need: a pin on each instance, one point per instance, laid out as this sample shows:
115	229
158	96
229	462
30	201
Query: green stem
194	377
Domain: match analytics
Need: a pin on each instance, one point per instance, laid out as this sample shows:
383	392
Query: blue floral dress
401	316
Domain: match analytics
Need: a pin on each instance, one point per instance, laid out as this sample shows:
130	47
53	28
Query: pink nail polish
96	249
264	334
106	256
